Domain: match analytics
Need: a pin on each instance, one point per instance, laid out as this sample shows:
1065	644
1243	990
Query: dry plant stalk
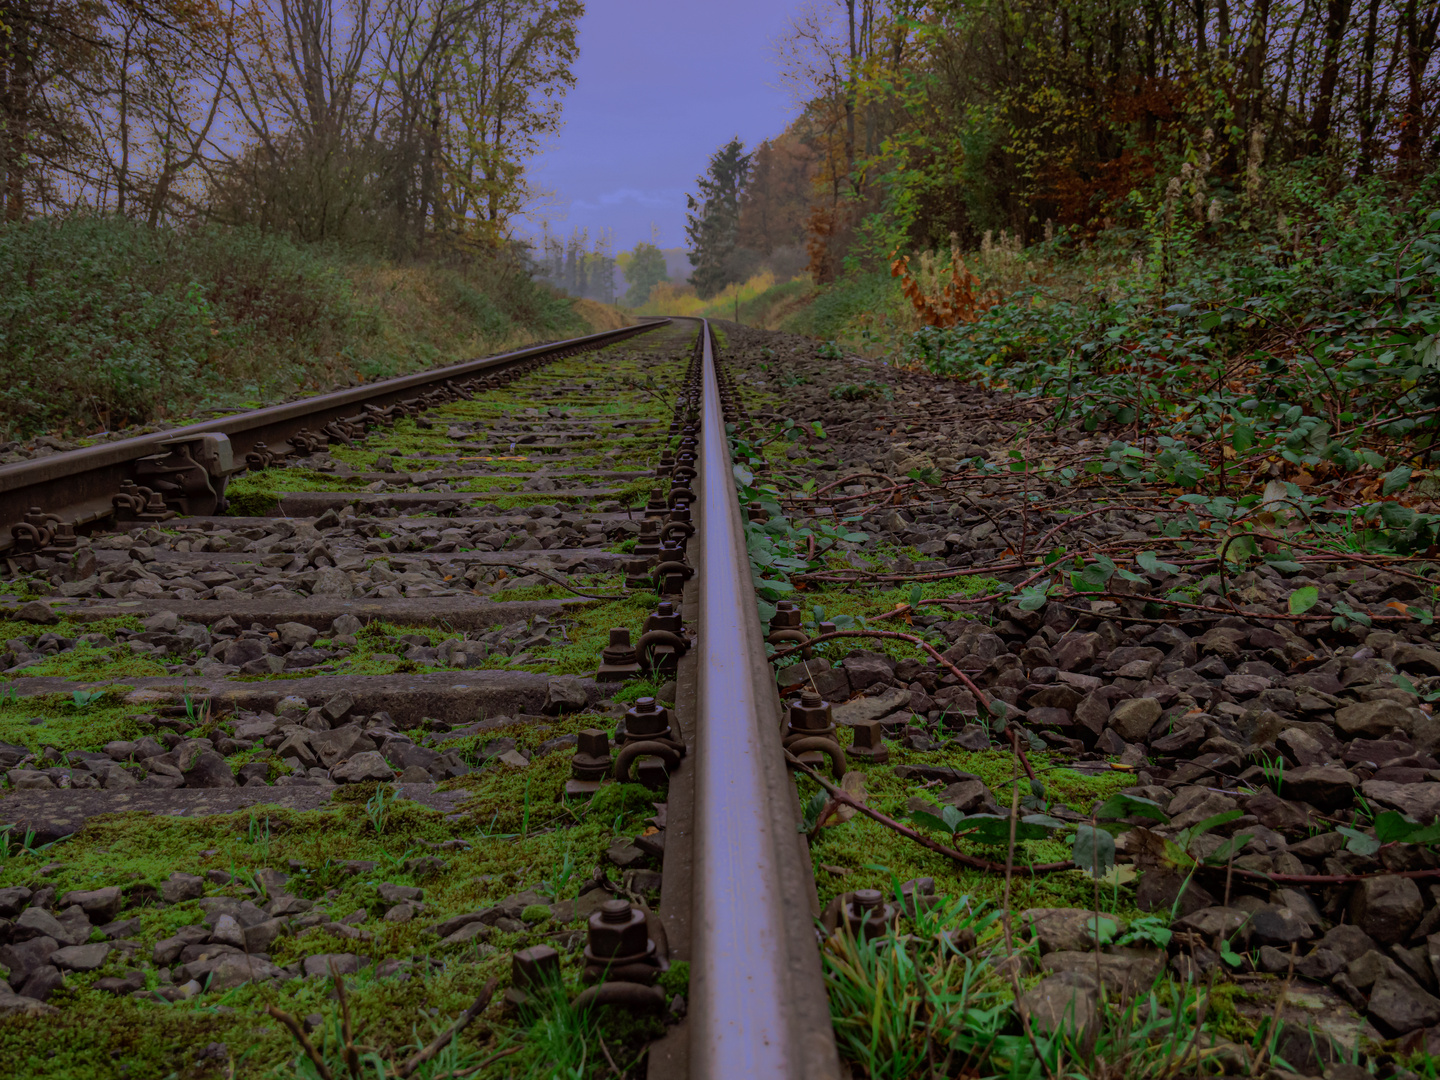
956	301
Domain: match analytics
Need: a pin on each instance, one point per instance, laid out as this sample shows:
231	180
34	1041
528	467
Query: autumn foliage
942	299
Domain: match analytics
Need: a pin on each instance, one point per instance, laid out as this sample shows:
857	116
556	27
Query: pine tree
714	221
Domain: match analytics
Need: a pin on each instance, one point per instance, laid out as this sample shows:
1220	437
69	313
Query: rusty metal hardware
646	719
618	660
647	733
665	750
618	945
679	493
637	574
306	442
869	744
757	514
260	457
535	968
648	542
191	476
787	615
785	627
810	732
868	916
592	756
809	716
628	994
155	509
657	506
64	541
659	651
36	531
666	616
130	501
667	462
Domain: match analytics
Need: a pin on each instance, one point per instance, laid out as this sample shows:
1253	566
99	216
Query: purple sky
661	84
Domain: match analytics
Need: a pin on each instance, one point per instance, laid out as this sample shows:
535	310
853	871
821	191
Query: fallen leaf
853	784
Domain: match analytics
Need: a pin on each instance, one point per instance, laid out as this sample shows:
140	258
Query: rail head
758	1003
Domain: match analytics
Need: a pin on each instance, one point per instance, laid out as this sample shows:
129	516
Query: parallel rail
78	487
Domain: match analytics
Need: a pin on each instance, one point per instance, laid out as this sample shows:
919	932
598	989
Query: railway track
467	683
463	705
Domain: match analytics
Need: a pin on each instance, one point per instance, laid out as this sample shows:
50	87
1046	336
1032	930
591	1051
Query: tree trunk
1337	18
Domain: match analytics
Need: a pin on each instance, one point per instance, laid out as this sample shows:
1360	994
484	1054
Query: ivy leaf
743	476
1303	599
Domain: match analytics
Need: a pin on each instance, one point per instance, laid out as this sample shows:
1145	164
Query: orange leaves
957	301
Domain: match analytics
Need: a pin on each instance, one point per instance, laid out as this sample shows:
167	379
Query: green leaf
994	829
916	595
1357	841
1200	829
1094	850
810	816
1151	564
743	476
1397	479
1121	805
1303	599
1242	437
1102	928
1033	597
928	820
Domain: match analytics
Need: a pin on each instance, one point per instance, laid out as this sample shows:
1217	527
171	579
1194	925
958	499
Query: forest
229	202
930	125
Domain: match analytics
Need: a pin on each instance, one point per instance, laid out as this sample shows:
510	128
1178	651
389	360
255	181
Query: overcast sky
661	84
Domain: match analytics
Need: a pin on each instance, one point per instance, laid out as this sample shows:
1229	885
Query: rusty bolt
617	932
648	542
647	719
592	756
787	615
810	714
868	915
618	660
665	617
657	504
869	743
637	574
535	967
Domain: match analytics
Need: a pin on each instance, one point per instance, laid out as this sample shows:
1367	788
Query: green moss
257	494
87	663
66	725
872	853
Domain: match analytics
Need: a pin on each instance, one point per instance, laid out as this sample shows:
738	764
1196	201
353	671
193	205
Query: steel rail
77	485
758	1005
